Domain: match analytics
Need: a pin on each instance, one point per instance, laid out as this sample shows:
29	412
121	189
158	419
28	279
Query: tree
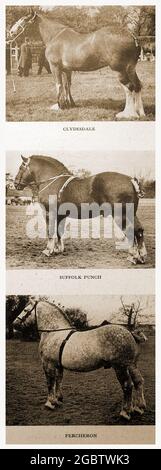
131	311
76	318
14	306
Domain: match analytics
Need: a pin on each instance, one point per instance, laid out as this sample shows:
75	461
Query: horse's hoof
55	107
138	410
59	402
49	405
46	252
132	260
124	414
141	115
123	115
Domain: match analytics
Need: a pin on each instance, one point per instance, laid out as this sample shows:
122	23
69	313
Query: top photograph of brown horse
77	63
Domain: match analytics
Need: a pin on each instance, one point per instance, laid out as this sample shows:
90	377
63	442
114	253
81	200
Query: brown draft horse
68	50
63	347
49	177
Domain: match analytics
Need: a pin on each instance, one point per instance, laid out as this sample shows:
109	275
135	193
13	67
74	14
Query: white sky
101	307
139	163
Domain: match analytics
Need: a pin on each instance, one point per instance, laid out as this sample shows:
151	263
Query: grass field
79	253
98	96
89	398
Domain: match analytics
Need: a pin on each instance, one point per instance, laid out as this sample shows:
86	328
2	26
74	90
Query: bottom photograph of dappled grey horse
68	50
47	176
63	347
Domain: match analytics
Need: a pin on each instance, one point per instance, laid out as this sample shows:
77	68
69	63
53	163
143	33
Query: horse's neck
48	29
43	170
50	317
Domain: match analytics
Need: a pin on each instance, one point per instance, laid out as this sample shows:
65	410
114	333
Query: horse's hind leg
138	381
136	85
138	252
124	378
129	111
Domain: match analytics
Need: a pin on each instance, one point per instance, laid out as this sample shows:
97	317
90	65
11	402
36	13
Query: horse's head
27	318
20	26
25	174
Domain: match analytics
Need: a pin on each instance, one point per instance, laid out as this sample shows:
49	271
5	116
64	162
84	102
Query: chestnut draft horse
68	50
63	347
49	177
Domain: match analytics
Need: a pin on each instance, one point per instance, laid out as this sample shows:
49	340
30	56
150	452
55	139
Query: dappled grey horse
63	347
68	50
48	177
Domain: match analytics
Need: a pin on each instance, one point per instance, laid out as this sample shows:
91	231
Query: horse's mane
52	161
46	17
53	304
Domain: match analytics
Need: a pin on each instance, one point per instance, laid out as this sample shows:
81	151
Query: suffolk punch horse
47	176
68	50
63	347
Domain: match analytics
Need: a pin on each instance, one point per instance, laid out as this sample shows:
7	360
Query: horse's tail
137	186
139	337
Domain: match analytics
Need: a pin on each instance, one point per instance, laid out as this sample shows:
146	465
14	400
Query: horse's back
105	345
91	51
115	187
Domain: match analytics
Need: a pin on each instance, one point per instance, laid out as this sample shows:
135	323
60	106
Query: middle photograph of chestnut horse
95	212
68	50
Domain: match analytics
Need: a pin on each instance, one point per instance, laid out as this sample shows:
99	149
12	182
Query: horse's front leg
51	240
124	378
61	100
60	232
68	82
53	383
140	403
138	252
58	385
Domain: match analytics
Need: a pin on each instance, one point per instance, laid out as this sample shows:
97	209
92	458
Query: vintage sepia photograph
80	202
80	209
80	360
80	63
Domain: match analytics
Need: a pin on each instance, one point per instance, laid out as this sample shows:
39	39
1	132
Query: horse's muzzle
17	324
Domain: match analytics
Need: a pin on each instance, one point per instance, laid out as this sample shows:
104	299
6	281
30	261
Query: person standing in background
25	60
43	62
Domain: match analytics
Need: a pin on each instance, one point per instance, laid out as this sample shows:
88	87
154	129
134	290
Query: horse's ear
31	11
25	159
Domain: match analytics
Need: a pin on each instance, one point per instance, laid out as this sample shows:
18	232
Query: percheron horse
68	50
50	178
63	347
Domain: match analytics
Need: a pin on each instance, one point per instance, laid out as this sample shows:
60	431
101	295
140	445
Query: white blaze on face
15	27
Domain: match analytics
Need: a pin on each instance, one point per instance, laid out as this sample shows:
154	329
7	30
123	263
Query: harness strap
53	179
65	185
62	346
